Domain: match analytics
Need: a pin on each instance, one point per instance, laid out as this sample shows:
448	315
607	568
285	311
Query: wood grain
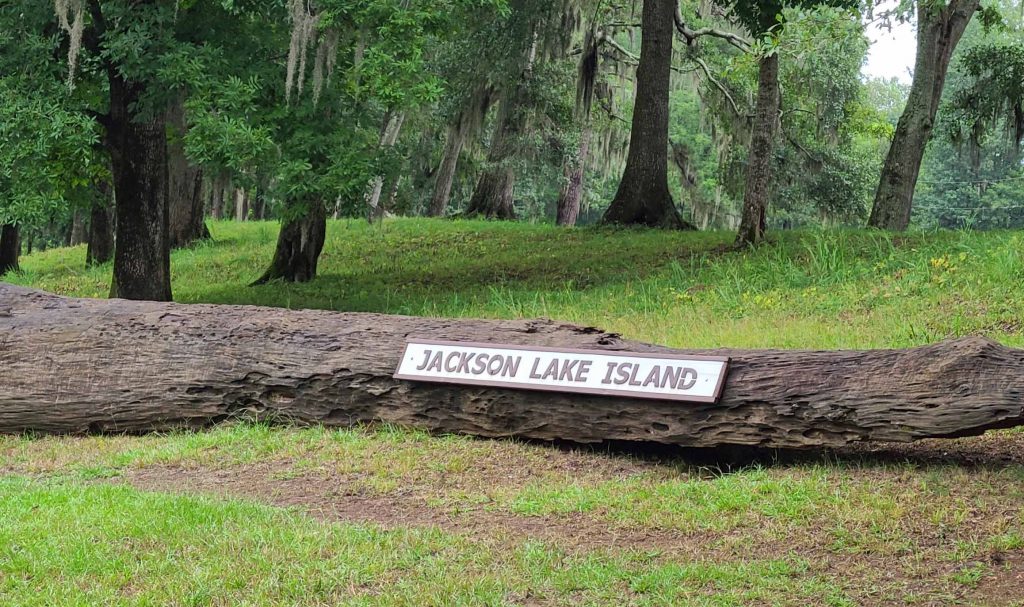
83	366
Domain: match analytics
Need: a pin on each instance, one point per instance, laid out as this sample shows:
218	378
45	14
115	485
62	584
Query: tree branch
718	85
690	35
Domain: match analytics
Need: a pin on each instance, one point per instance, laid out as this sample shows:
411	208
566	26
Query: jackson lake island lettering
602	372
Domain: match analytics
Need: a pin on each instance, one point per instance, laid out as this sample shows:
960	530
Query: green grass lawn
255	515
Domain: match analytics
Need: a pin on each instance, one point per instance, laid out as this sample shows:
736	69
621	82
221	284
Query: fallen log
99	366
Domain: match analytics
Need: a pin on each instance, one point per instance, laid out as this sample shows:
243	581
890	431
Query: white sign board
630	374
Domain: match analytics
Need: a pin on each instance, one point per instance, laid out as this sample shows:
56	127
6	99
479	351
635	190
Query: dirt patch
1005	584
923	573
339	498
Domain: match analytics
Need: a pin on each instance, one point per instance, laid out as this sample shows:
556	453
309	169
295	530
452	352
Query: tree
643	196
764	20
940	24
10	248
185	224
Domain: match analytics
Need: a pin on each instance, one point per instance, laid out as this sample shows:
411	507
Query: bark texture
759	160
298	247
571	194
100	249
494	194
77	236
10	248
643	197
388	138
185	202
939	28
75	366
446	171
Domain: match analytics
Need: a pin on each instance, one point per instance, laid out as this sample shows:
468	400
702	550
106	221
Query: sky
891	53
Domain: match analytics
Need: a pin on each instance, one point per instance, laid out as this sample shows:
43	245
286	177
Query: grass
242	514
810	289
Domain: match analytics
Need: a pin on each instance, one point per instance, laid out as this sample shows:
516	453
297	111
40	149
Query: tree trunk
388	137
75	366
494	194
759	160
939	28
643	197
77	228
241	208
571	194
101	234
217	188
138	150
690	186
10	248
259	203
298	247
446	172
185	202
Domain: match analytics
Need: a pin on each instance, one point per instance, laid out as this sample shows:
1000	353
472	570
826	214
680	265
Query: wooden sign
630	374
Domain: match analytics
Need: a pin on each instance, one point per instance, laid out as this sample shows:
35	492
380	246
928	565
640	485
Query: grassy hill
808	289
264	516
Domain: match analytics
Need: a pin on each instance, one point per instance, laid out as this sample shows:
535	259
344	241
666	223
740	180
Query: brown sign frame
714	398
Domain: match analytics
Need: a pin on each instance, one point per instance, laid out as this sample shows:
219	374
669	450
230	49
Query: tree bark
759	160
241	205
643	197
388	137
494	194
101	235
571	194
446	172
298	246
75	366
939	28
138	150
217	187
185	202
10	248
77	228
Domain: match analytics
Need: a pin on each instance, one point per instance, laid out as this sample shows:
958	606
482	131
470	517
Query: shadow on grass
508	271
996	450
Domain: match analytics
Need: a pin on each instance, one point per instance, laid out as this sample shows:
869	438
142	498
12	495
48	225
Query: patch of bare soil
922	572
1005	584
333	497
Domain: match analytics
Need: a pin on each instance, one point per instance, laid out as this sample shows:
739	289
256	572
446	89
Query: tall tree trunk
185	202
643	197
101	235
77	228
217	187
10	248
759	160
569	197
939	28
446	172
690	188
298	246
388	137
494	194
241	206
137	143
